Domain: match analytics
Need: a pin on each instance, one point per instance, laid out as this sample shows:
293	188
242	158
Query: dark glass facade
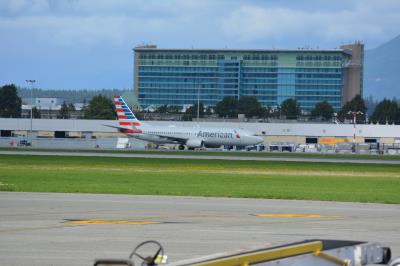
181	76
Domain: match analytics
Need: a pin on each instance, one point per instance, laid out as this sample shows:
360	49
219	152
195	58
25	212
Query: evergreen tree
64	111
228	107
276	112
100	107
386	111
162	109
266	112
290	109
36	113
209	110
322	110
357	104
249	106
173	109
10	103
71	107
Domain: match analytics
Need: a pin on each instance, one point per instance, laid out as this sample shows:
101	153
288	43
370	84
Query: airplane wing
174	139
166	137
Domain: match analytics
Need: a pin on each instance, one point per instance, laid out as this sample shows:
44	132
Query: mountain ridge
382	70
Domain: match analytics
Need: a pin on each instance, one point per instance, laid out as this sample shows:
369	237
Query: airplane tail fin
128	123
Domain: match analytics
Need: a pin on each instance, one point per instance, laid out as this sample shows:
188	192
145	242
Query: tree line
386	111
99	106
102	107
70	96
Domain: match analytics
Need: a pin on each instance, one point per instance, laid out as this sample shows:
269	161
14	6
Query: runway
201	156
73	229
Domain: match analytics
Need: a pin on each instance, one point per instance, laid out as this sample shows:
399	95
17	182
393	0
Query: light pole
31	81
198	102
354	122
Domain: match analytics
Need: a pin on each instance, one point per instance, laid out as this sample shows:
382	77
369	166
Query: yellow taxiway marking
83	222
295	215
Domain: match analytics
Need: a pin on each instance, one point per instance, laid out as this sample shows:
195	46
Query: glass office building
182	76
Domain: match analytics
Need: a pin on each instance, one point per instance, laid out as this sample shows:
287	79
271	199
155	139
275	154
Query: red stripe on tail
126	123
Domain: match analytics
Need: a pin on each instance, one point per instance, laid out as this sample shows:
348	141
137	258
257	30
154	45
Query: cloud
75	31
364	20
88	22
183	23
97	35
250	23
18	7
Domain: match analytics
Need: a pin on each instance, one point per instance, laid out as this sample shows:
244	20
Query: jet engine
194	143
212	145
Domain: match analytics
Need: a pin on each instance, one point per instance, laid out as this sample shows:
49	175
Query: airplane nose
259	139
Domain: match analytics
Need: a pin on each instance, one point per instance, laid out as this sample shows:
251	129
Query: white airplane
191	137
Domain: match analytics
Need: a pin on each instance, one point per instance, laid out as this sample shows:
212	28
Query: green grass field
220	178
223	153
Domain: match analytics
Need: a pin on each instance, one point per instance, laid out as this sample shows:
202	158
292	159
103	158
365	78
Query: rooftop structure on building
49	107
184	76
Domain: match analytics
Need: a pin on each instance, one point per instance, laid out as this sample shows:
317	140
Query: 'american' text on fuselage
206	134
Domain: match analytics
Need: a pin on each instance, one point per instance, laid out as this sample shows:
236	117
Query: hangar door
5	133
60	134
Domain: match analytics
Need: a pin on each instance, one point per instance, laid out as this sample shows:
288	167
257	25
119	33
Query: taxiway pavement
36	228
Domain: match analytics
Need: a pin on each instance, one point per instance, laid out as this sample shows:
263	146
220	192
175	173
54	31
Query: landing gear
181	147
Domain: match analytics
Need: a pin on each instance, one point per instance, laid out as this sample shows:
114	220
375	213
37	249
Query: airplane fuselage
197	136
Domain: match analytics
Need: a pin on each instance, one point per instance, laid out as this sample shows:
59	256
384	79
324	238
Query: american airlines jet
191	137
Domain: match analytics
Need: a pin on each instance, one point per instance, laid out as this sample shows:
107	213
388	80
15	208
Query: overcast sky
77	44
